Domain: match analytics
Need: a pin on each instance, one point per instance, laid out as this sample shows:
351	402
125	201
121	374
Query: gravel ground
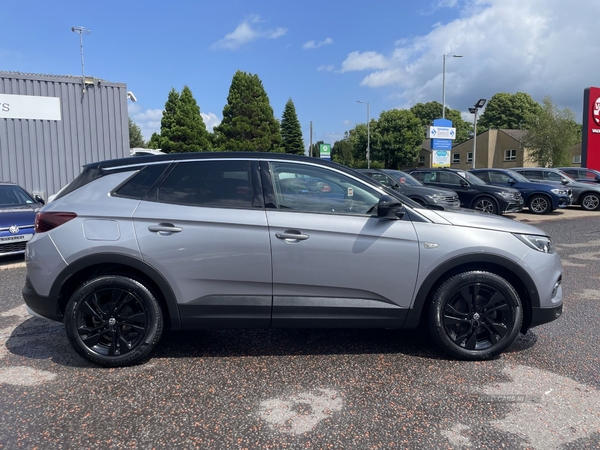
314	388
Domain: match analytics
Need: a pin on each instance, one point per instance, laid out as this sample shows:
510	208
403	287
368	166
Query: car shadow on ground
41	339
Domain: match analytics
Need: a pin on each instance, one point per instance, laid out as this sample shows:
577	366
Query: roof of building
54	77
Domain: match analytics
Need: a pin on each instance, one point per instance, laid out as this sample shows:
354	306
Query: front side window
383	179
499	177
225	184
307	188
449	178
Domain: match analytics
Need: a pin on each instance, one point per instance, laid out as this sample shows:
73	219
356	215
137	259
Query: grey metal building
51	125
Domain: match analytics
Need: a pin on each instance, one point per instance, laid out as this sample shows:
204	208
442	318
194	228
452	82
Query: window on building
421	160
455	158
577	159
470	157
510	155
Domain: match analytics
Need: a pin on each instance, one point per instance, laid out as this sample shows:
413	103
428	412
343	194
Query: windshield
472	178
14	196
403	177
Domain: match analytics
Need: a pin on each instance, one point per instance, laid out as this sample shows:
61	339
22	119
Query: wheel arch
510	271
584	193
90	266
485	195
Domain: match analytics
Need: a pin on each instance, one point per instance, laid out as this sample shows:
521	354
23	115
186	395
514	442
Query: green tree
358	138
398	138
154	141
551	135
136	140
291	133
182	127
248	122
510	112
315	150
342	151
427	112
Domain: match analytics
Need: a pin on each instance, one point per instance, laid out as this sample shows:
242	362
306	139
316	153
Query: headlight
437	198
559	191
506	195
540	243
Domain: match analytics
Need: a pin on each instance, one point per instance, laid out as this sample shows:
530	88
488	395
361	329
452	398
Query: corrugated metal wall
44	155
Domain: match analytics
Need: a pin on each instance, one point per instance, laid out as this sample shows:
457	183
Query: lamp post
473	111
368	135
81	31
444	83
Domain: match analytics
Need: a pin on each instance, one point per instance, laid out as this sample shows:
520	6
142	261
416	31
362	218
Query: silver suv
245	240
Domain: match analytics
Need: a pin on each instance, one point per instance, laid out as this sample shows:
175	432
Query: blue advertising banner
441	144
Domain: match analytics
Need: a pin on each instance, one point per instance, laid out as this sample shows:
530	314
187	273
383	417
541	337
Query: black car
472	191
413	188
582	174
540	198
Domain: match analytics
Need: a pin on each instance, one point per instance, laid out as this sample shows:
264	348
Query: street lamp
444	84
368	136
473	111
81	31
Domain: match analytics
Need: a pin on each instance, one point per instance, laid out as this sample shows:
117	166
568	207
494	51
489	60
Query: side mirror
597	178
511	181
564	181
463	183
390	208
39	199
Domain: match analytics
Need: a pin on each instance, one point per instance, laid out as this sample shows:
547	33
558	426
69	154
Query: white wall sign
29	107
441	133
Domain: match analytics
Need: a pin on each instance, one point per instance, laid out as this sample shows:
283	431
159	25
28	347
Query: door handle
292	235
165	228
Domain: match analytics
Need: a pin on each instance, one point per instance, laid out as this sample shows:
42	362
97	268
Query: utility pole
310	149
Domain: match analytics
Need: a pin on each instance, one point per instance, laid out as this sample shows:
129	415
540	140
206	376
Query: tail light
46	221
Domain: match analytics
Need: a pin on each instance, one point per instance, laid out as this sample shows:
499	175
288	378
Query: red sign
590	148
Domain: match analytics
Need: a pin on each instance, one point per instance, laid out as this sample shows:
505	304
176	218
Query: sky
324	55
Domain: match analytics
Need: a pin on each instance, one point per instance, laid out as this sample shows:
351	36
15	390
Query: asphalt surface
314	388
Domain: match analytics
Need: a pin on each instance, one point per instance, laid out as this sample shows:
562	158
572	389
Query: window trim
508	154
456	160
469	157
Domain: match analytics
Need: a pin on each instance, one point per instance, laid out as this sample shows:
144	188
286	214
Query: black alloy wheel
475	315
113	321
539	204
590	201
486	205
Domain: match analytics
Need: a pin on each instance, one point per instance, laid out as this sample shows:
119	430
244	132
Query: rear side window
225	184
87	176
138	186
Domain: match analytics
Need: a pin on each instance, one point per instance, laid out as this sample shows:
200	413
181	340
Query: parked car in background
587	195
414	189
260	240
17	217
582	174
472	191
540	198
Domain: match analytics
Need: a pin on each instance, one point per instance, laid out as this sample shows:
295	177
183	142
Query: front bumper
540	316
513	208
43	306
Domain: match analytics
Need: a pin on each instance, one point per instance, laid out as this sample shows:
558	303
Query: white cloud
246	32
541	47
326	68
211	120
364	61
315	44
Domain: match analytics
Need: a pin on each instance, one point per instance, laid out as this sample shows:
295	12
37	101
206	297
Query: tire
539	204
475	315
486	205
590	201
113	321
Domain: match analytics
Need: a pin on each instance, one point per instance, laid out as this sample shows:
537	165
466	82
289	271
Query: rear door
335	264
205	229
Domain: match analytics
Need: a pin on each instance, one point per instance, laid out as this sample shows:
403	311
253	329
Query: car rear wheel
475	315
539	204
590	202
113	321
486	205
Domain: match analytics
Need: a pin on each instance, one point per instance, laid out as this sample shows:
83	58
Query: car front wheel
539	204
590	202
113	321
486	205
475	315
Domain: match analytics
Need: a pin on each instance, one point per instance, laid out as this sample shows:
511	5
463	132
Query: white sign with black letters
29	107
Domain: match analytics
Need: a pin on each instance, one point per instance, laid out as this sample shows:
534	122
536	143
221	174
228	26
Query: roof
515	134
54	77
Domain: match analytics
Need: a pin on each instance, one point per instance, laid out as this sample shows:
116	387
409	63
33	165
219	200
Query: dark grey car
259	240
587	195
413	188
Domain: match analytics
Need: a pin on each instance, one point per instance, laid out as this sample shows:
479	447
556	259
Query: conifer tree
136	140
248	120
291	133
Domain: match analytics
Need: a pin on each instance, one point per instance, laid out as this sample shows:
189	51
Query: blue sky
325	55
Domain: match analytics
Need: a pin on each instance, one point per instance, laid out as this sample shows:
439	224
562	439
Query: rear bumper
39	304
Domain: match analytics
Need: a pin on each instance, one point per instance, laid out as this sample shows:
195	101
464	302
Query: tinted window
552	176
209	183
449	178
533	174
383	179
499	177
301	187
13	196
138	186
